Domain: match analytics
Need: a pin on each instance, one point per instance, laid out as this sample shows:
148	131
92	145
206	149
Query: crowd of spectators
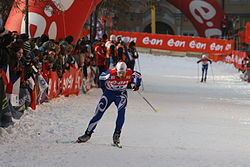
230	27
26	58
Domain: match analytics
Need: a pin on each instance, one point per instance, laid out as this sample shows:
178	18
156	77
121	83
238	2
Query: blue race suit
114	90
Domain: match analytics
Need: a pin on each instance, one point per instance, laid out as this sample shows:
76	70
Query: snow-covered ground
198	124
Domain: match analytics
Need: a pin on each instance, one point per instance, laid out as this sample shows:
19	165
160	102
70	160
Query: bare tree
120	12
112	9
115	9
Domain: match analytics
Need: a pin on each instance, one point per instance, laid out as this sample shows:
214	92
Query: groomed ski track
198	124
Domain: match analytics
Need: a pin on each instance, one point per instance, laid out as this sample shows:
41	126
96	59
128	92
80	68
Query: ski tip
116	145
79	141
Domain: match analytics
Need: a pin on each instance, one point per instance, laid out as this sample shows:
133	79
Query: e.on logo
205	13
118	83
148	41
197	45
176	43
128	37
216	47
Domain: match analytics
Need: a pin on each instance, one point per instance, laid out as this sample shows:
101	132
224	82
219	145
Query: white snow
198	124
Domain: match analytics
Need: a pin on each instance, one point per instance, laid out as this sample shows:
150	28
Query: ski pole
138	62
155	110
142	85
198	71
212	71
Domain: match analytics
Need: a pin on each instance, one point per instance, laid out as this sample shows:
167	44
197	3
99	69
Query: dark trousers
204	72
108	97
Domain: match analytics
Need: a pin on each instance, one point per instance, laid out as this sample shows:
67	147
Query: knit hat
6	39
24	37
26	46
69	39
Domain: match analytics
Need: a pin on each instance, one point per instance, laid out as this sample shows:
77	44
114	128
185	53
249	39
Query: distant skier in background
204	60
114	84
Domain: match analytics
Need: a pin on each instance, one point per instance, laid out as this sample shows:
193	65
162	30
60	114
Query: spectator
224	27
100	58
5	42
133	55
111	53
46	55
69	39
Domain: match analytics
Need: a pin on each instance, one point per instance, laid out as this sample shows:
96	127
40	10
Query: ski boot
201	79
116	139
205	79
84	138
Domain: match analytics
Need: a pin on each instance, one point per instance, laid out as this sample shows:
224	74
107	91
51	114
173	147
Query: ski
77	141
116	145
66	142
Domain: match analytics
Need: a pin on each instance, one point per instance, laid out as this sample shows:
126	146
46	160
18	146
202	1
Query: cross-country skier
113	83
204	60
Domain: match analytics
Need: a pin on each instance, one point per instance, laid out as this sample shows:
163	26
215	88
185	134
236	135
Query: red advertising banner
56	18
217	57
206	15
71	82
54	86
67	83
247	35
77	81
179	43
59	19
237	58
